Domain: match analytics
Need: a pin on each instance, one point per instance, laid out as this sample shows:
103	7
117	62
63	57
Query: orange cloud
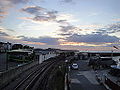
116	19
36	43
24	18
84	44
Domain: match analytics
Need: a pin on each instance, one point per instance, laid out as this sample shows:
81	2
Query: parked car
74	66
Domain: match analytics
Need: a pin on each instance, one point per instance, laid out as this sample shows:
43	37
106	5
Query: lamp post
67	76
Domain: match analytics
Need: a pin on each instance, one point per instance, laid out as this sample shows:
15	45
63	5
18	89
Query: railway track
41	79
31	79
38	79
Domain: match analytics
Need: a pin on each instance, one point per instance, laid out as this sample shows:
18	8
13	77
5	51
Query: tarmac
84	78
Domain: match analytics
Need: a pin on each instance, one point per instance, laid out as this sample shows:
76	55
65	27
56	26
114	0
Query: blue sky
66	24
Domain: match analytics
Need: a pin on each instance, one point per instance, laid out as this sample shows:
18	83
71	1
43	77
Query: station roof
20	50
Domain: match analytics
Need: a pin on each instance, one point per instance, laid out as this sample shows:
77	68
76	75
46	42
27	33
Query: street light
67	76
66	61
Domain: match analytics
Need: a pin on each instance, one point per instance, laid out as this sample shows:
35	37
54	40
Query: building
44	54
5	46
20	55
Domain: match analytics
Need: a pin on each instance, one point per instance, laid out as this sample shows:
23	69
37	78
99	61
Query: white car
74	66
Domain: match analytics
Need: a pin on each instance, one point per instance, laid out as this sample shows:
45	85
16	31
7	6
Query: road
84	78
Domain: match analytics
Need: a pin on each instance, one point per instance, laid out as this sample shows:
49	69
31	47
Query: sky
87	25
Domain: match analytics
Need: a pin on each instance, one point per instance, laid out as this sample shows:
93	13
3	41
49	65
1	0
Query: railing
111	84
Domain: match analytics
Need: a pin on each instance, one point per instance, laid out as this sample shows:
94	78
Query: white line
75	81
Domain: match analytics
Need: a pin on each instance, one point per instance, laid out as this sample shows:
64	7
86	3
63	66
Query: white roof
21	50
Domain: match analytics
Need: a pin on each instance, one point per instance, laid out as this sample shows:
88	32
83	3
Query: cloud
18	40
66	18
109	29
69	30
13	39
33	43
91	26
40	14
6	4
46	40
1	17
44	18
90	29
66	28
2	12
112	28
36	29
67	1
61	21
64	34
100	29
6	30
93	38
118	19
3	34
84	44
11	30
33	9
82	37
18	1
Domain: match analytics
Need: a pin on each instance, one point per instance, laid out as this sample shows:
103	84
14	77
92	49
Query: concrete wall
45	57
7	76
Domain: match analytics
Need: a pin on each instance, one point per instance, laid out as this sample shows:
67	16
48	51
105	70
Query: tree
17	46
26	47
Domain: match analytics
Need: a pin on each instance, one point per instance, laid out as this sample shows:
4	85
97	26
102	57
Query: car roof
74	63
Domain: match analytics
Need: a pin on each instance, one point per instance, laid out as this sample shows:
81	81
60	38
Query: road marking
79	74
75	81
90	76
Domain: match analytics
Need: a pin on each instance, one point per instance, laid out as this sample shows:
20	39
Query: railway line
38	79
25	84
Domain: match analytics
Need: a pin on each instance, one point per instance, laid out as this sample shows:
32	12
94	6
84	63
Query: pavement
84	78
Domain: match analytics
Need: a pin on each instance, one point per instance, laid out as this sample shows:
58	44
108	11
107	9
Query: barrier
111	84
9	75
